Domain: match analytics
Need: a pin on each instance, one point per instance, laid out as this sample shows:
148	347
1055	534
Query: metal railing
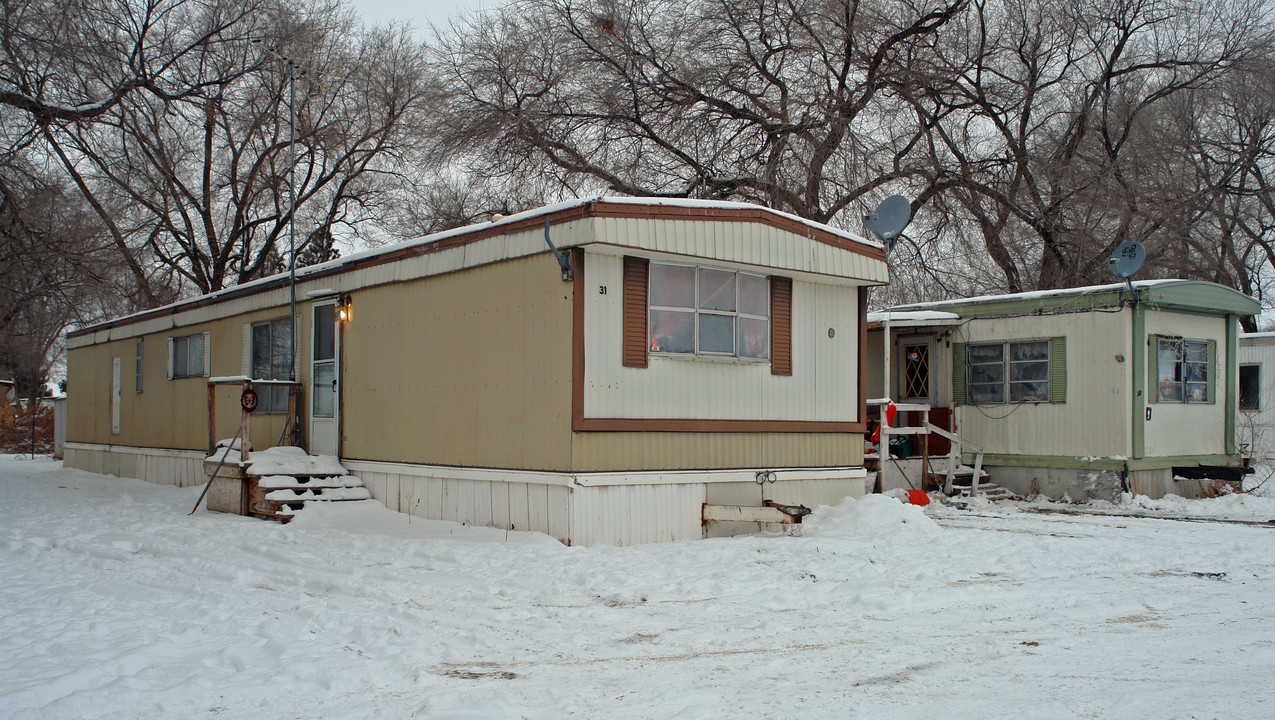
955	456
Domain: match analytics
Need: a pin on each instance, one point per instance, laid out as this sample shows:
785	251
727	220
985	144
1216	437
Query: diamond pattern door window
916	372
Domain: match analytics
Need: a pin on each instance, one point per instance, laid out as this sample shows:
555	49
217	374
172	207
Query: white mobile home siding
1094	420
1256	428
824	385
752	244
1187	428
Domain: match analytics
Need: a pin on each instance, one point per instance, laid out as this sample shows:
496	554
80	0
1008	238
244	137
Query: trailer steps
277	483
280	497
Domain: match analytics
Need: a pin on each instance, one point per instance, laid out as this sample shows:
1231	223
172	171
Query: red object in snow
918	497
890	412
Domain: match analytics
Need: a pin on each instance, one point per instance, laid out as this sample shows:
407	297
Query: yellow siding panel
467	369
621	451
167	413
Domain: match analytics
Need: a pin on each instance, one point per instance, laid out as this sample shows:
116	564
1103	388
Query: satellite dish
1127	260
889	219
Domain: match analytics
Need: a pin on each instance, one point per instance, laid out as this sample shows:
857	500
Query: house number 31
602	289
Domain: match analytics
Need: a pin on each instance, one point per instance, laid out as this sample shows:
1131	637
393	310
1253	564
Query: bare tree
787	103
1047	142
67	61
200	183
52	257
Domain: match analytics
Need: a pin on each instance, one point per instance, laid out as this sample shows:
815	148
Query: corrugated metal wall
161	467
636	514
582	514
609	514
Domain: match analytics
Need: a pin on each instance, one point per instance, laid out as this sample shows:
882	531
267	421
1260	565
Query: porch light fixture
343	310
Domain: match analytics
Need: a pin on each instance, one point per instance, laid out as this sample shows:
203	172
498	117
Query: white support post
978	469
953	460
886	343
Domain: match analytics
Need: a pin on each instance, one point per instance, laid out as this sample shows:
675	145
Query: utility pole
293	66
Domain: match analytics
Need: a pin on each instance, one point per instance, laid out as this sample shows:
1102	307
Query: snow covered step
284	496
990	491
280	482
330	494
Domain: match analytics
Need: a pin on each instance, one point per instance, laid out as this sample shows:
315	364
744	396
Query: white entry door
325	377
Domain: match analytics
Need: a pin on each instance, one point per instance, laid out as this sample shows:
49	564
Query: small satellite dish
1127	260
889	219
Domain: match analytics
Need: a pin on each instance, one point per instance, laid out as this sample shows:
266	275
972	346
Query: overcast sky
417	12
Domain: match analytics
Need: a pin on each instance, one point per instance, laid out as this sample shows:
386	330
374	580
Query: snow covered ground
115	603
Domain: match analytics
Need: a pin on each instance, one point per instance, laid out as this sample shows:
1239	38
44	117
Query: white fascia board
597	479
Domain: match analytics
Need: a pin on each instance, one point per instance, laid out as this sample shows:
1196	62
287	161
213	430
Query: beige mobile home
1081	393
688	355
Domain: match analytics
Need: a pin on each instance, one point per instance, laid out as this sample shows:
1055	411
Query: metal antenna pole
292	217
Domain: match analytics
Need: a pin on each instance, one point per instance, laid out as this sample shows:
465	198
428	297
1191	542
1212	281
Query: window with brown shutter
781	326
636	272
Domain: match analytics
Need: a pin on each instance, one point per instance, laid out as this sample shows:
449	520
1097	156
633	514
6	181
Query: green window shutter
1058	370
958	373
1213	372
1153	369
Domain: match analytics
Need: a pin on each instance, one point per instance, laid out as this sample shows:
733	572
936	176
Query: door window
916	372
324	391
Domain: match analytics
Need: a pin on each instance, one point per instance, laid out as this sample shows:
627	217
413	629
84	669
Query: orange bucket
918	497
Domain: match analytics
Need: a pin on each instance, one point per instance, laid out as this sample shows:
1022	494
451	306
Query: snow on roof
305	272
1037	294
914	317
1257	335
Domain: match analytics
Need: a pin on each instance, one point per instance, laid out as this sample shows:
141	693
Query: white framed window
1182	370
1014	372
708	312
272	360
188	356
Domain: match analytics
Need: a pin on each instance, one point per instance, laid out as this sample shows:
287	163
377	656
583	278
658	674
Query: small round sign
248	400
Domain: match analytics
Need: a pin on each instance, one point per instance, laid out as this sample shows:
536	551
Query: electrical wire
1078	307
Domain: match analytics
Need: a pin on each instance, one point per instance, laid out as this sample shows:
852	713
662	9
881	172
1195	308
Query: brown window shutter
780	326
636	273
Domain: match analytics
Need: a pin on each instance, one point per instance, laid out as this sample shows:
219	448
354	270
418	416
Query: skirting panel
182	468
575	515
626	510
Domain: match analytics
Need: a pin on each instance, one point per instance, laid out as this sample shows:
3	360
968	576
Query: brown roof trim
598	208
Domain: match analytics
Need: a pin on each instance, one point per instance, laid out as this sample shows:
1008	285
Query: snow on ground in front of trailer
116	603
